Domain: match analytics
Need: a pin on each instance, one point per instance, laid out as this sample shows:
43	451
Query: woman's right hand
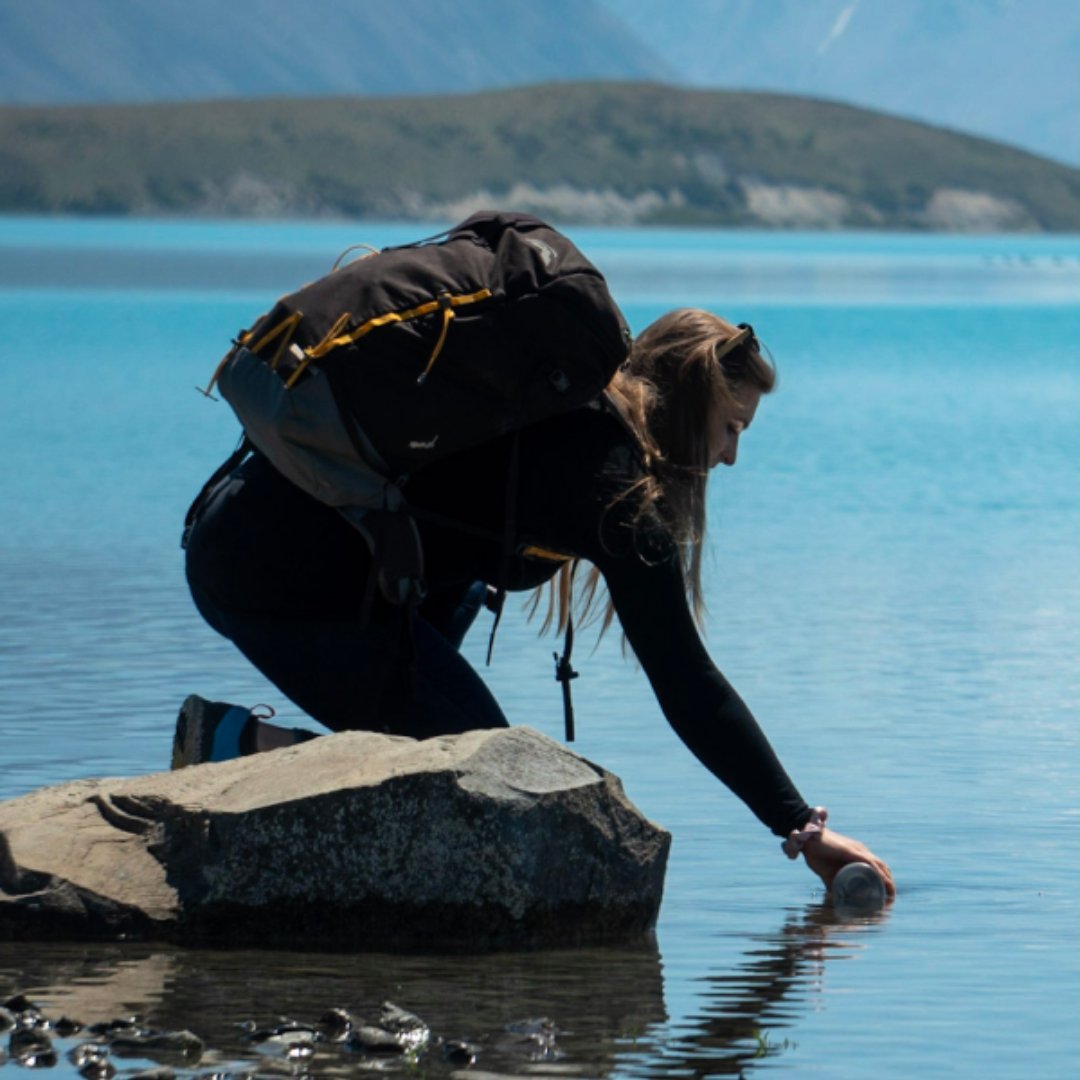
828	851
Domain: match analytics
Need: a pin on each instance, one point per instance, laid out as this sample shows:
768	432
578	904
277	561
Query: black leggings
349	676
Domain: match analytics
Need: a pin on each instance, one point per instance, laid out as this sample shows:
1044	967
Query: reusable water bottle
858	885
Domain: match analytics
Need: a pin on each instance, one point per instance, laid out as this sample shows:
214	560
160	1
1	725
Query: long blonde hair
681	368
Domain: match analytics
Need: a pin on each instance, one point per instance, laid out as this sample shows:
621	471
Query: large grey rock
487	839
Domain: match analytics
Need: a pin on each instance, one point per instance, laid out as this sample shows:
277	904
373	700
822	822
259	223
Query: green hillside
597	152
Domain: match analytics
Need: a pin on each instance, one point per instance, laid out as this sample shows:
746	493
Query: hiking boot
207	731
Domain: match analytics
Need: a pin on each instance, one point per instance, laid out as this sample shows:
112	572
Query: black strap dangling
564	672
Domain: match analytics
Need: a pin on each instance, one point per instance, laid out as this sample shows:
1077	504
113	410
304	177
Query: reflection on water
669	265
606	1005
744	1014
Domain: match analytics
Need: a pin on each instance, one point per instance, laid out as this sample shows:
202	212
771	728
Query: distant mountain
1005	69
592	152
84	51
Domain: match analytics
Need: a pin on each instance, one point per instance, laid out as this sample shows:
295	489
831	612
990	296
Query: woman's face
727	424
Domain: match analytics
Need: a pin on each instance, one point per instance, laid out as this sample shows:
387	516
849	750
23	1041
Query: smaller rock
92	1061
115	1027
534	1038
410	1030
65	1027
20	1003
459	1052
334	1025
300	1050
31	1048
87	1052
184	1045
98	1070
281	1034
375	1040
293	1043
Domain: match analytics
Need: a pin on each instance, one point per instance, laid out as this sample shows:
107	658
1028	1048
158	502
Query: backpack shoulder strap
242	450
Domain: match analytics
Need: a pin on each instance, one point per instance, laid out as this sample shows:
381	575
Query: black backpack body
412	354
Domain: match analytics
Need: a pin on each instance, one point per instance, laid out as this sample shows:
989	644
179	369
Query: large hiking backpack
408	355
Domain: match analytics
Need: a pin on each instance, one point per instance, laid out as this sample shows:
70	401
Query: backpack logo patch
416	444
548	254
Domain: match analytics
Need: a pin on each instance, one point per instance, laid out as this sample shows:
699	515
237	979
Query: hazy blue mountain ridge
64	52
1005	69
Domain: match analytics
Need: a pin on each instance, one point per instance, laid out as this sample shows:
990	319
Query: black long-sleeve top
571	472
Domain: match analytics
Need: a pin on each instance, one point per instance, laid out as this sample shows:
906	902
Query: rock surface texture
490	839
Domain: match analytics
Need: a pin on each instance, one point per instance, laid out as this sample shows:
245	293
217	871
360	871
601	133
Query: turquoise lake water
894	587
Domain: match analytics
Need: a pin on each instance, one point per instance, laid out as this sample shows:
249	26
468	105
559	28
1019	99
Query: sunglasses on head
745	337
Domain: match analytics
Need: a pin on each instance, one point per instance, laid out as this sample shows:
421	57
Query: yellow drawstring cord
286	328
292	322
325	345
445	301
208	390
334	338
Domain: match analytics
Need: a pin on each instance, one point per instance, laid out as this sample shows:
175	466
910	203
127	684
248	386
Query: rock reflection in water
507	1012
586	1013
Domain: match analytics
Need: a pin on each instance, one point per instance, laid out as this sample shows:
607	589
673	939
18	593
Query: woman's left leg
353	676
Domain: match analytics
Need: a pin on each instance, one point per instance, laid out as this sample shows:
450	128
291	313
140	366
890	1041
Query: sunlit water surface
894	587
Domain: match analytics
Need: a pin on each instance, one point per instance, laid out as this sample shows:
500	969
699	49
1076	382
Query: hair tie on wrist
798	838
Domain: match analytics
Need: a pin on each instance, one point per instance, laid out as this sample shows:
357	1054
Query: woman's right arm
699	703
710	717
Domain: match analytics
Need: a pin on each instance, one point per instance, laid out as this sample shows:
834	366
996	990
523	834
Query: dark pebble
45	1060
541	1027
20	1003
536	1038
28	1040
300	1049
375	1040
31	1049
411	1031
110	1027
98	1070
184	1044
65	1027
335	1025
258	1034
87	1053
394	1019
459	1052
